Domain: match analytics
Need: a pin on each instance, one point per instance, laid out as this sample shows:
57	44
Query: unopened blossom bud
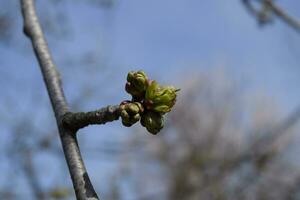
160	98
136	84
130	112
153	121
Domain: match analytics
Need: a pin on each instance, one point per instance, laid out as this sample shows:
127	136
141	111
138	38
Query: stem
83	188
75	121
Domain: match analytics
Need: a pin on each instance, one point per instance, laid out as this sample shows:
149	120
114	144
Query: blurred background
234	131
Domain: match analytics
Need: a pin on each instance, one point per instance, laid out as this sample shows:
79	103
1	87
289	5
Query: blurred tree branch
210	152
30	172
268	8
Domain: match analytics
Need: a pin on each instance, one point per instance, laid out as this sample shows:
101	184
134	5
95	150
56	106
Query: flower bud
153	121
136	85
160	99
130	112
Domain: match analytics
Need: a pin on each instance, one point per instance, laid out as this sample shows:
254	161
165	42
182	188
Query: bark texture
82	185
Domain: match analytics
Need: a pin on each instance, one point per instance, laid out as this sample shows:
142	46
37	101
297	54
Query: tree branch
75	121
294	23
30	173
81	182
272	7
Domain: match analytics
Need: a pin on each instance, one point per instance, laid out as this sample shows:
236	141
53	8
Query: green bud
124	114
127	122
130	112
137	117
136	85
153	121
159	98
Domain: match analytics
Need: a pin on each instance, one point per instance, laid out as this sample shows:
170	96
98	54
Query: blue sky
166	38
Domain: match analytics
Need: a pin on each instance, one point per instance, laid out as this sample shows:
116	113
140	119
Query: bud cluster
130	112
150	102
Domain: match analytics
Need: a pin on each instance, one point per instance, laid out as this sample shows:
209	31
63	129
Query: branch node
26	31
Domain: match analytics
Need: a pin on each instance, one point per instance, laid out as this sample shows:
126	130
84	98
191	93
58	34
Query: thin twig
294	23
81	182
273	8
